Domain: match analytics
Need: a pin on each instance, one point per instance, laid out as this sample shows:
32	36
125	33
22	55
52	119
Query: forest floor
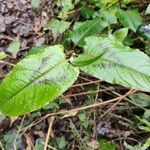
92	114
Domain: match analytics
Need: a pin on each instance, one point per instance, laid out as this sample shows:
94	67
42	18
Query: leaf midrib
38	77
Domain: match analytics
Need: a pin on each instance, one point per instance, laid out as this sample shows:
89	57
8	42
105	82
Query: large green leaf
130	18
36	81
91	27
119	65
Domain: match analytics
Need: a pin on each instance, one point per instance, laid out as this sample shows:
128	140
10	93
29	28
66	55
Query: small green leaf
146	114
146	145
61	142
147	12
140	99
14	47
121	34
2	55
84	120
130	19
106	145
66	6
58	27
119	65
35	81
38	144
87	12
135	147
35	3
144	121
138	146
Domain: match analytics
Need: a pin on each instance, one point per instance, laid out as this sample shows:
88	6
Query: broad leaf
35	81
130	18
119	65
89	28
58	27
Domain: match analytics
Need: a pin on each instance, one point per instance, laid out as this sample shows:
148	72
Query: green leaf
12	137
38	144
35	3
147	12
146	145
35	81
144	121
119	65
14	47
84	120
88	28
139	146
66	6
121	34
130	19
140	99
135	147
61	142
58	27
106	145
2	55
108	17
87	12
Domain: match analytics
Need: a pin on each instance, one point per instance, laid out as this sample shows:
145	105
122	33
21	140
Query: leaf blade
120	65
36	81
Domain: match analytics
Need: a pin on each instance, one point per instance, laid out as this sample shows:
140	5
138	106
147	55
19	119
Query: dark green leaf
87	12
38	144
130	19
61	142
91	27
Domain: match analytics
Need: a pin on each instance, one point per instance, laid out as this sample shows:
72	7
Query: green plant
45	73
